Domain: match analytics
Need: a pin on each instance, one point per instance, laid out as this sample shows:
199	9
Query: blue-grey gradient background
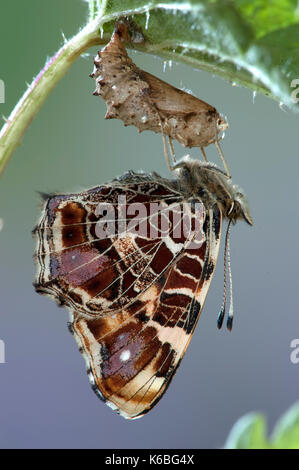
45	397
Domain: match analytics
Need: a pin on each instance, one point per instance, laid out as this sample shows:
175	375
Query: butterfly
133	260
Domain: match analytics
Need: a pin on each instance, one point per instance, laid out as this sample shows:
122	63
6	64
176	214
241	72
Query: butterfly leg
170	163
171	148
166	153
204	154
223	159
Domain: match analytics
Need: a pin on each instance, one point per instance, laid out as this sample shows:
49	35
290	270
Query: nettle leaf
251	43
286	431
249	432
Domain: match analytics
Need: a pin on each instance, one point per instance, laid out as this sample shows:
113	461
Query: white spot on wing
125	355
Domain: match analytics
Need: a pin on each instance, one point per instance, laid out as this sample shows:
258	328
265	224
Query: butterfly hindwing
132	356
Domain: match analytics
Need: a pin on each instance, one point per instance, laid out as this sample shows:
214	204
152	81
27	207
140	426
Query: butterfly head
239	209
212	185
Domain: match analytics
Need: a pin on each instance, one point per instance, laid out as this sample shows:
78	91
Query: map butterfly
135	295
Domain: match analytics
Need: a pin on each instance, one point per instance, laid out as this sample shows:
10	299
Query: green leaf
252	43
249	432
286	431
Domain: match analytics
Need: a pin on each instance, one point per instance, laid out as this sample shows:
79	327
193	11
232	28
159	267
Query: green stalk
26	109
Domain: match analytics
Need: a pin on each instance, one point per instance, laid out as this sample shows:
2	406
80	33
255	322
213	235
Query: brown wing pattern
132	356
98	275
134	300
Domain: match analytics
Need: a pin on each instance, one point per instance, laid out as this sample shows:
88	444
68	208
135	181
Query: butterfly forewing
135	295
94	273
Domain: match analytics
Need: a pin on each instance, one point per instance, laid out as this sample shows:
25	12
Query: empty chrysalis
143	100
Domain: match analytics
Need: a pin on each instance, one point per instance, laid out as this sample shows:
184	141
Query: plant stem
42	85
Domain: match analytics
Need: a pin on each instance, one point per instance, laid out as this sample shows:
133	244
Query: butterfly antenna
226	258
229	323
223	159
